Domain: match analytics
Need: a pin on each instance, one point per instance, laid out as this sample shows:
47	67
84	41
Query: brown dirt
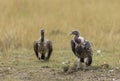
50	74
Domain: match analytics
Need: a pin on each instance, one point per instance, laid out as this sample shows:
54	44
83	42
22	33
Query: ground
49	74
24	66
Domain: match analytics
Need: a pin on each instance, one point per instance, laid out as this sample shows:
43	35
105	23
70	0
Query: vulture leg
79	64
73	46
36	48
85	62
43	56
50	49
82	59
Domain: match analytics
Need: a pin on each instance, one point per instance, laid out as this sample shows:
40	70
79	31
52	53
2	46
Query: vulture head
75	32
77	38
42	32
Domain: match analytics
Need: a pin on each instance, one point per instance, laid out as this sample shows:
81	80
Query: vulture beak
71	33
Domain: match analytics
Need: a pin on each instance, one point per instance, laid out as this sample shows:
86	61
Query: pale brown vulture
43	47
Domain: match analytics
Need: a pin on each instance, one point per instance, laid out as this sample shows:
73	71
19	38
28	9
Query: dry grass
98	21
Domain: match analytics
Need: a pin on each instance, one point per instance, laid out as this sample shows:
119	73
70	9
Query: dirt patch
50	74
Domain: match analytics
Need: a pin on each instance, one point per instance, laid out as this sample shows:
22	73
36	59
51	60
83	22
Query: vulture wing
78	50
36	48
89	61
88	49
73	46
50	49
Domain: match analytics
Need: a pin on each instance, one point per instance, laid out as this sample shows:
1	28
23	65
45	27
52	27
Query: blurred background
97	20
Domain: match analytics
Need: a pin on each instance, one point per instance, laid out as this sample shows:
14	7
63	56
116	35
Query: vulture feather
43	48
81	48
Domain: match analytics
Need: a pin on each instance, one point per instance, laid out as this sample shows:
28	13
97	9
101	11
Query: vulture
82	49
43	48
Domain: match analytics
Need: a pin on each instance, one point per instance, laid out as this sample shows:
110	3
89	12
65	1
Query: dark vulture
43	47
82	49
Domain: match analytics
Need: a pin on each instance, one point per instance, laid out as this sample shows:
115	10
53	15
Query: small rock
117	67
113	79
9	68
111	70
63	62
67	62
98	51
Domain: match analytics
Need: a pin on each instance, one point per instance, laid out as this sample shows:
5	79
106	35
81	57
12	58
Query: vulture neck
76	38
42	36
